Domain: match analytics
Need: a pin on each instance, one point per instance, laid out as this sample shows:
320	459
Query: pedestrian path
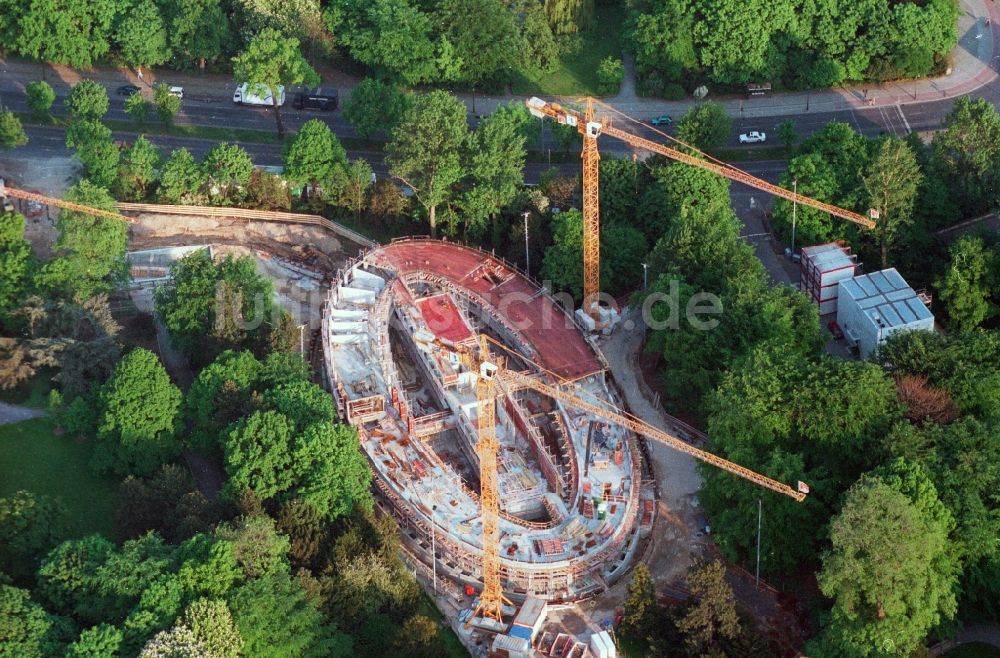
12	413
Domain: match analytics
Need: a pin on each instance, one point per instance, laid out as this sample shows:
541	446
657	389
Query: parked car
835	329
752	137
244	95
173	89
662	120
127	90
318	99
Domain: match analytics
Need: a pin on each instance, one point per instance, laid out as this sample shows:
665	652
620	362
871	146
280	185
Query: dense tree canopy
27	630
970	283
199	30
31	525
375	107
812	44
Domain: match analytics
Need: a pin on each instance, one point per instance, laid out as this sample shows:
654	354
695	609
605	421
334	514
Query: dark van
318	99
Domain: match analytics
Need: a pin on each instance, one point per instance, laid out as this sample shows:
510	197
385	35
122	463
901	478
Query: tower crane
590	126
492	376
6	191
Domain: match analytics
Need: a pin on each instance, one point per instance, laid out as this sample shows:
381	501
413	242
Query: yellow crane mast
493	373
591	127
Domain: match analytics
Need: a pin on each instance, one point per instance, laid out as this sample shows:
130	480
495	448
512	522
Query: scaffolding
407	396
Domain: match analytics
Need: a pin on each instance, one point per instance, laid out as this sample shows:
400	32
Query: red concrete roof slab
443	318
541	323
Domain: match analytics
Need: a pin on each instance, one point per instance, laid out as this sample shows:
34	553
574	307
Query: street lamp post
759	513
795	205
302	339
434	561
527	256
645	269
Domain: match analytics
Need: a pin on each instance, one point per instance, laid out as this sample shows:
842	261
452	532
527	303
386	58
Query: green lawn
576	72
33	458
973	650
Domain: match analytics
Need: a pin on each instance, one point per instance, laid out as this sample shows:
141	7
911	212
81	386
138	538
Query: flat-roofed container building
871	307
821	268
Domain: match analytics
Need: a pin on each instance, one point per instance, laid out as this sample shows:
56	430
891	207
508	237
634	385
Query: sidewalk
973	68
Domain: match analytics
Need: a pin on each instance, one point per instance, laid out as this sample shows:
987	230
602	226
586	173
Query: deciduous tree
139	415
227	168
711	615
166	104
704	126
967	150
891	182
199	30
968	284
138	169
426	149
212	625
181	178
137	107
276	620
40	97
357	183
25	627
393	37
484	35
496	165
101	641
75	32
31	525
90	250
16	262
891	570
258	455
610	73
270	61
11	133
375	107
569	16
315	156
87	100
640	604
141	35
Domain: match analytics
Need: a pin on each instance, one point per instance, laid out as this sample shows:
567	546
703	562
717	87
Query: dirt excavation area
309	246
298	259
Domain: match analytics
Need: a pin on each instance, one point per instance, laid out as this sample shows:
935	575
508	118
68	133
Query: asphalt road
220	111
48	141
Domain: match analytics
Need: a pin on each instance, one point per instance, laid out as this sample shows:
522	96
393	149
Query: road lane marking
899	108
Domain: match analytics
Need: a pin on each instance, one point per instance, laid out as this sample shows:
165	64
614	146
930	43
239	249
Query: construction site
572	505
495	433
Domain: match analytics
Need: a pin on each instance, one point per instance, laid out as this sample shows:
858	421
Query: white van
244	96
